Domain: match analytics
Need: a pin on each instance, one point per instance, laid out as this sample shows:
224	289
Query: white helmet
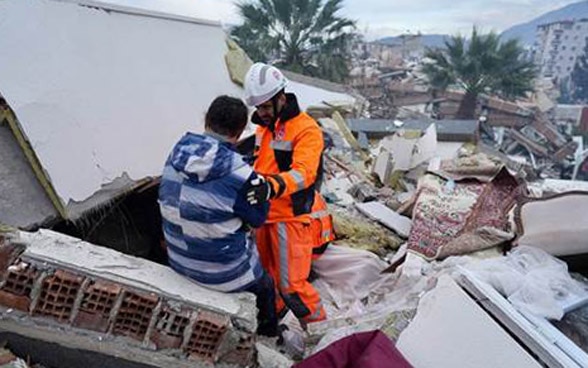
262	82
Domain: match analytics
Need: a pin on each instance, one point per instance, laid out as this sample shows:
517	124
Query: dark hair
226	116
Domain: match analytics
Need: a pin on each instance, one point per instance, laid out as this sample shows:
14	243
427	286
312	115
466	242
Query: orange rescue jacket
289	156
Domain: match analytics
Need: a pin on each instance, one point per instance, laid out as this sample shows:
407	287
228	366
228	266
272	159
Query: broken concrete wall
102	106
61	282
442	334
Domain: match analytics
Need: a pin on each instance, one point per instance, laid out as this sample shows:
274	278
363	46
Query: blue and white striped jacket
205	214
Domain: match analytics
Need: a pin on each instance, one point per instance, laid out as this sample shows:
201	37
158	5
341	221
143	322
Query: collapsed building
425	208
547	136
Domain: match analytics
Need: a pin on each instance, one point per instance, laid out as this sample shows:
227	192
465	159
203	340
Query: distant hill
428	40
526	32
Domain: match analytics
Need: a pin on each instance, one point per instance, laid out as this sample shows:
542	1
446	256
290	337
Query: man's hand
260	192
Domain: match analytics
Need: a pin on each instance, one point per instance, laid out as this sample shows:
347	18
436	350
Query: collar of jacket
221	138
290	111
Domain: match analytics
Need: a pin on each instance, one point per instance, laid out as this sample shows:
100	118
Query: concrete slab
73	254
383	166
381	213
96	299
451	330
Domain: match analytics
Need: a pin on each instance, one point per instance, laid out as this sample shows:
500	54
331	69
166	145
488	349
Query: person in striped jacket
205	213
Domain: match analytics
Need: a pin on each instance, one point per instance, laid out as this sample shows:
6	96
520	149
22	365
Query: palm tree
482	64
304	36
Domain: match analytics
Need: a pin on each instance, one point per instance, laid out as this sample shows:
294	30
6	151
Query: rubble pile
95	299
534	131
423	203
438	229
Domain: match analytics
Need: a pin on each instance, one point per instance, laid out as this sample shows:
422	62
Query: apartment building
558	46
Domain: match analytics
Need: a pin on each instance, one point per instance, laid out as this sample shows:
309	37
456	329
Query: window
563	47
571	58
573	48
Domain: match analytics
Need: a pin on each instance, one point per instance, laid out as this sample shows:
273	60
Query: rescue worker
288	152
206	215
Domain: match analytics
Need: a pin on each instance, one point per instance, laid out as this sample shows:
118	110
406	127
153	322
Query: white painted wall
99	94
103	93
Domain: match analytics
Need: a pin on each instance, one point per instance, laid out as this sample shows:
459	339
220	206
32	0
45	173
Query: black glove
260	192
250	159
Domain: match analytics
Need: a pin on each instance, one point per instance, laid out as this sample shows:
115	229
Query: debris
533	281
575	323
269	358
550	187
383	167
344	129
86	291
536	334
362	140
336	190
409	149
441	334
379	212
360	233
556	224
348	274
238	62
363	192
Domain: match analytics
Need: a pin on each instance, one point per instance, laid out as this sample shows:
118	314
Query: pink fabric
362	350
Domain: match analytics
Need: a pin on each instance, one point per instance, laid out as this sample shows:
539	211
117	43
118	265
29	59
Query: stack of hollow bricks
106	307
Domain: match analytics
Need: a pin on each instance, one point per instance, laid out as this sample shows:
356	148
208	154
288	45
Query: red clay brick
58	295
206	335
97	303
165	341
9	300
169	328
20	281
134	315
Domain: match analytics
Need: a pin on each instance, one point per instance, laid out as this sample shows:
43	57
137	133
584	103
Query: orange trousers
285	249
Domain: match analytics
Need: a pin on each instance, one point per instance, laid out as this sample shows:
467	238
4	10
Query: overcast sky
390	17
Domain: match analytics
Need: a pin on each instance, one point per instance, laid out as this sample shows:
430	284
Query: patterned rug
456	218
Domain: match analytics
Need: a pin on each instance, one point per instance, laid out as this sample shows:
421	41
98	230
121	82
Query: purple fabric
362	350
